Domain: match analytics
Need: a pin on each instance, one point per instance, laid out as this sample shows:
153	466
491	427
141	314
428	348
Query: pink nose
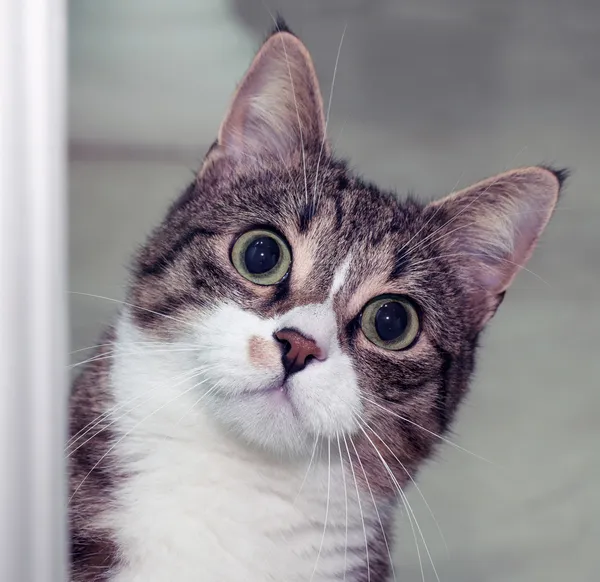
298	350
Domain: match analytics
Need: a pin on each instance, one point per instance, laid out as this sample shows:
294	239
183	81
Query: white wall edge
33	267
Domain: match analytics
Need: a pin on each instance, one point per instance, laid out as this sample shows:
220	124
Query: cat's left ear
491	229
277	110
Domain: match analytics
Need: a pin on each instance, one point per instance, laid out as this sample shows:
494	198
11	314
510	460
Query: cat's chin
266	418
275	399
284	417
277	388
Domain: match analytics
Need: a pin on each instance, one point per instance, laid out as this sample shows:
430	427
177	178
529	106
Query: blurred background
429	96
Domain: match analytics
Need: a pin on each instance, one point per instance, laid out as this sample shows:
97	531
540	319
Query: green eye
262	257
390	322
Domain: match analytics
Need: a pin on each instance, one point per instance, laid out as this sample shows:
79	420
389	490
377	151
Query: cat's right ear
277	110
490	229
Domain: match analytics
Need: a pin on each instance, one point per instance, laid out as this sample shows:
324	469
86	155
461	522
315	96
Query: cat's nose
298	350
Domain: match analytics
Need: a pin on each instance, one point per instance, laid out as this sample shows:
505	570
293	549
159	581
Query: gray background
430	95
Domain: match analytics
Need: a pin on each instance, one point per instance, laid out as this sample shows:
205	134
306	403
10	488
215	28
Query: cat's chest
194	515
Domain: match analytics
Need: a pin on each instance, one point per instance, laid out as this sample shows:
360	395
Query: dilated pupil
262	255
391	321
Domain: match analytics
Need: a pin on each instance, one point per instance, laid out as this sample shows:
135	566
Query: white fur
323	399
218	487
340	276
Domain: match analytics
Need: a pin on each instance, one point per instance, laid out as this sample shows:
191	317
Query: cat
294	344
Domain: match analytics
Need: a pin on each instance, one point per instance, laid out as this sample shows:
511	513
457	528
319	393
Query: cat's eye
390	322
261	256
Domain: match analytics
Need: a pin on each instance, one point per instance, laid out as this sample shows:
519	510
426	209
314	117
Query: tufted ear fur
491	229
277	110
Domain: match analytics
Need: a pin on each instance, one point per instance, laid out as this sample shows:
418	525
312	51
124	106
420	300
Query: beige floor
429	94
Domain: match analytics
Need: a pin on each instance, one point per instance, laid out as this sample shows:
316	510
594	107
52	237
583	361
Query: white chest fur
200	506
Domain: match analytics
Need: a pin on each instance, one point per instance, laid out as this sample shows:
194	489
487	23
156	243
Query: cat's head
321	305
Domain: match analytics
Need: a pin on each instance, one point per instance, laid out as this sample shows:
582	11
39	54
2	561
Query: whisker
124	437
375	506
326	508
120	351
362	517
413	423
96	358
142	343
312	456
189	373
406	502
212	389
130	305
115	420
90	348
346	500
90	426
395	483
337	58
413	482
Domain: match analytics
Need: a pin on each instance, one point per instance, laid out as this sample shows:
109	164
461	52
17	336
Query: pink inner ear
497	223
277	109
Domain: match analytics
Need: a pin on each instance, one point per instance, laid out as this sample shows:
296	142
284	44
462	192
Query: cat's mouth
280	387
276	392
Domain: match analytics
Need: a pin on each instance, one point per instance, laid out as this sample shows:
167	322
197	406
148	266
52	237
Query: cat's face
321	306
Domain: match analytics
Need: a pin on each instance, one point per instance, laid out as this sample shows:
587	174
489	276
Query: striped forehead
324	263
